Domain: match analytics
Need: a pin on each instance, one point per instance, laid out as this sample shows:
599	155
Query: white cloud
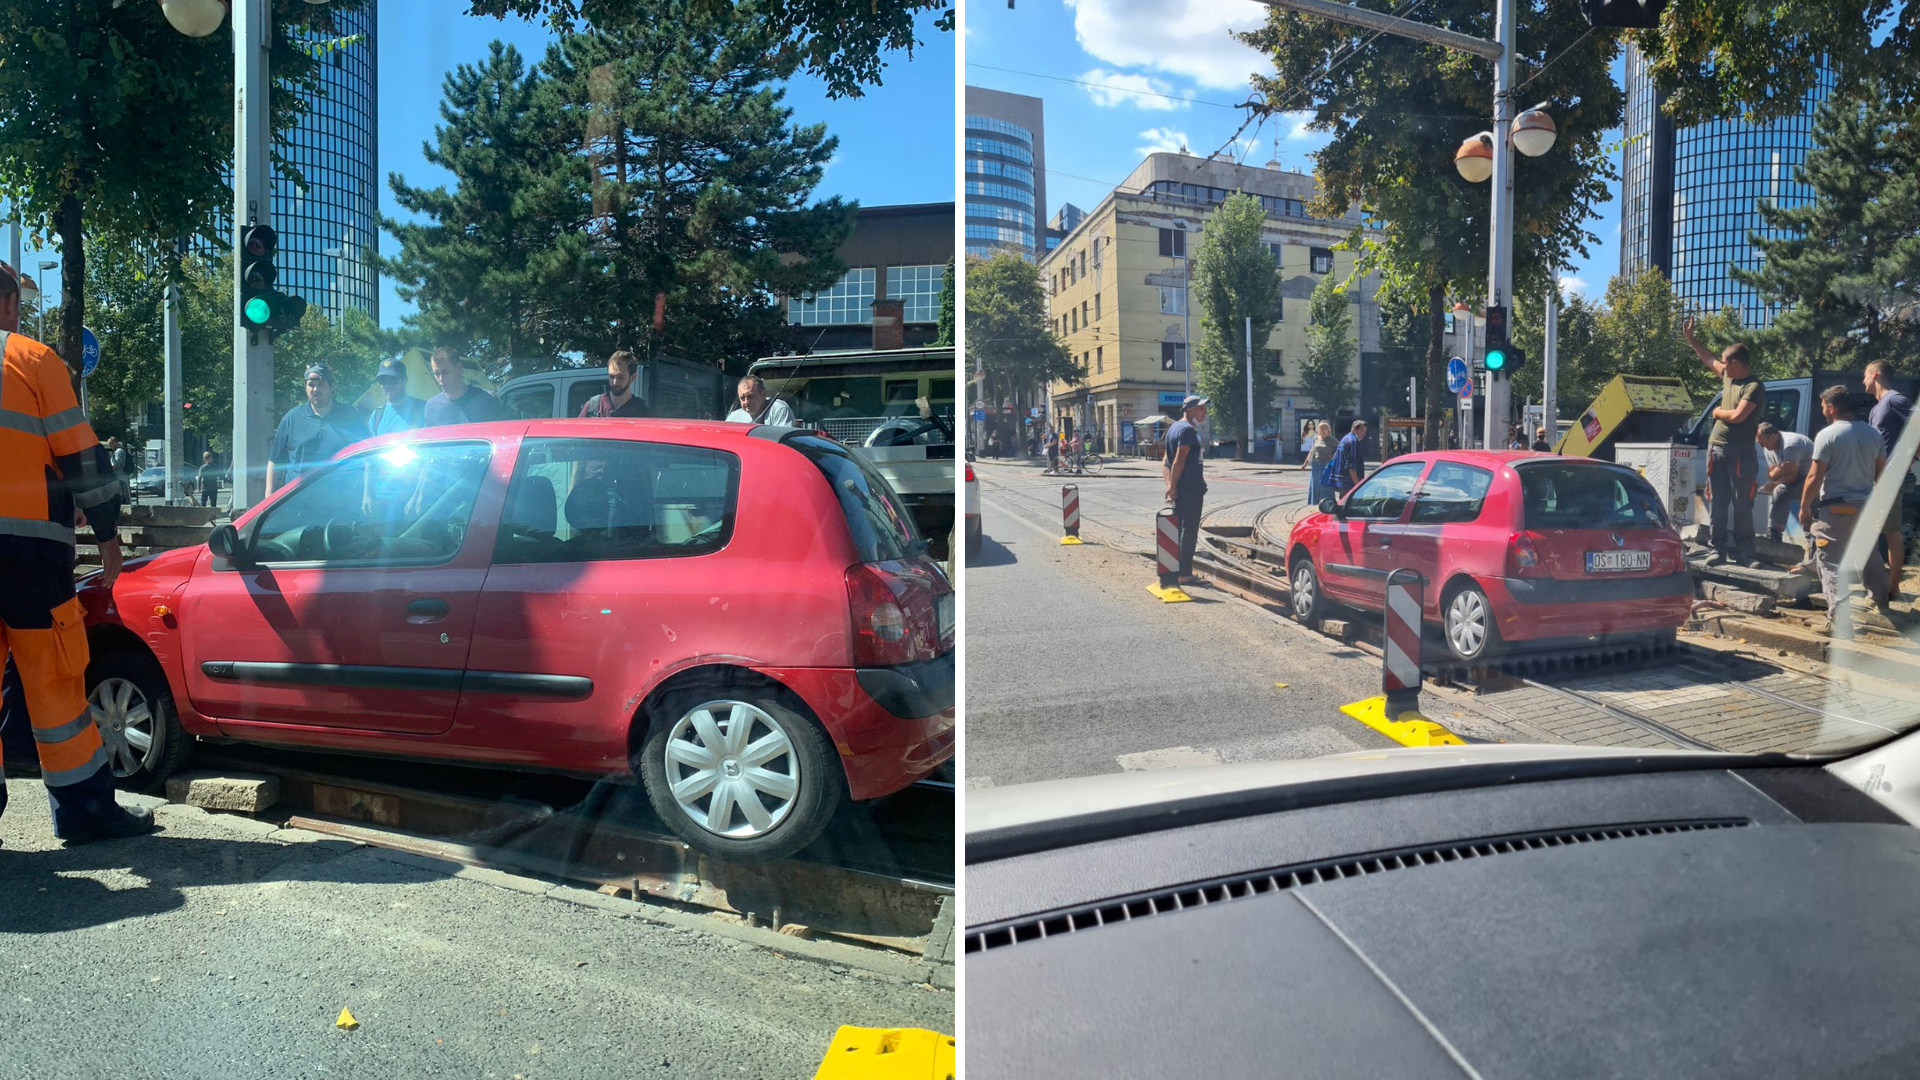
1113	88
1181	37
1162	141
1573	285
1300	122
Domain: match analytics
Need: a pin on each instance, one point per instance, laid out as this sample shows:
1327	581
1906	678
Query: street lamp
45	265
1474	159
195	18
1534	131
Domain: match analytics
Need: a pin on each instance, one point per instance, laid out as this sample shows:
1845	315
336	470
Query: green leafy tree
947	298
1327	376
467	260
1397	108
1584	364
1846	266
206	348
115	126
842	41
1234	279
1007	333
125	313
353	349
694	190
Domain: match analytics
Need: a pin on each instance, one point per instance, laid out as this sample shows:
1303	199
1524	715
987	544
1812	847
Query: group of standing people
1334	468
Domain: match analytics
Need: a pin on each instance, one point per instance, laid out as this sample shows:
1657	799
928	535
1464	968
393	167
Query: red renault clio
743	617
1514	546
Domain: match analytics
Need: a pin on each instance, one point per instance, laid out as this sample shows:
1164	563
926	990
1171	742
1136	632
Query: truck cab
671	387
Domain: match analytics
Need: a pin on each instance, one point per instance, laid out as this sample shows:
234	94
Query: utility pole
1500	51
1249	424
252	204
1550	368
175	420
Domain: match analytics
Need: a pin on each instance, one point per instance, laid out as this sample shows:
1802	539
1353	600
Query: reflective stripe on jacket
50	459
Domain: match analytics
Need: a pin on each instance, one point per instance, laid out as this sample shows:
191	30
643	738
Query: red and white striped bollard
1070	515
1400	674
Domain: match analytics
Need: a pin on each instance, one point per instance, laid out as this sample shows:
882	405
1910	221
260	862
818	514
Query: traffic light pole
253	419
1500	268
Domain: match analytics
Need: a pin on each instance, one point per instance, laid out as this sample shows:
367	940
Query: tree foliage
656	170
1846	266
841	41
114	125
1234	279
1007	333
1327	376
944	333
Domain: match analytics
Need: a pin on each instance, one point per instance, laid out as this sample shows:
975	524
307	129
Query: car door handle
431	607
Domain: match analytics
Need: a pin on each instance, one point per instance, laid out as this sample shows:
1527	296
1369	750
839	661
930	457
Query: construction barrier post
1070	515
1400	673
1166	532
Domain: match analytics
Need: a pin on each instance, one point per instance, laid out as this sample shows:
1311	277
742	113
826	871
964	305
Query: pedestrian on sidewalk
1848	458
207	479
1183	471
1540	443
1318	451
1349	462
122	465
1787	455
1732	467
1891	408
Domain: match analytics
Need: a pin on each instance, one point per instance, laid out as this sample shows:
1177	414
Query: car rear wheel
1309	602
976	537
739	772
134	709
1469	625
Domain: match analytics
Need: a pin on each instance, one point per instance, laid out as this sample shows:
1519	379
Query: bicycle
1086	463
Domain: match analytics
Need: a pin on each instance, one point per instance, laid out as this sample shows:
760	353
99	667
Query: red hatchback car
743	616
1514	547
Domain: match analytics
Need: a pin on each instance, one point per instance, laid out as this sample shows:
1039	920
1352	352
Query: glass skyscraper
1006	195
1688	194
330	232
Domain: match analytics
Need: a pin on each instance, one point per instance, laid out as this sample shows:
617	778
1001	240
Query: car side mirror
227	551
1331	505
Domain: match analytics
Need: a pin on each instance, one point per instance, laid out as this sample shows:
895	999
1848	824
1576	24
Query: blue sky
1158	75
896	143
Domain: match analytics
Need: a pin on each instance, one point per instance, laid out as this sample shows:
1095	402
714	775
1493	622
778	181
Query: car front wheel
138	724
1469	625
1308	599
739	773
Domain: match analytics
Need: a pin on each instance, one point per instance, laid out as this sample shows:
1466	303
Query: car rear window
594	500
881	528
1588	495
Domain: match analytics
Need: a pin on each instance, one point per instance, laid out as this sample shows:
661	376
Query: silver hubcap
126	724
1467	623
732	768
1303	591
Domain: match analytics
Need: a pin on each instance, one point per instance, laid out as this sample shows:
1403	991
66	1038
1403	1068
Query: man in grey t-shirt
1847	459
1785	456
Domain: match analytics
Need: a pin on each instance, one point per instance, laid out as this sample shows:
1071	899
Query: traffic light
1498	357
257	275
263	307
1625	14
1511	358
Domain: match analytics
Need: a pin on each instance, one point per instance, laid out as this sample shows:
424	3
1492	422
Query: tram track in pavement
881	876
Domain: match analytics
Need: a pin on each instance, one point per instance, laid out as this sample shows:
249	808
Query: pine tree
1234	279
691	196
1846	266
944	335
1327	376
468	265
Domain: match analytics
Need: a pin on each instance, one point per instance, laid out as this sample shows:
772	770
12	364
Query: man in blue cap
390	483
313	431
1184	472
398	410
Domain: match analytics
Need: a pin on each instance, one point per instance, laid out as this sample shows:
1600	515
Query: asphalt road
213	951
1074	668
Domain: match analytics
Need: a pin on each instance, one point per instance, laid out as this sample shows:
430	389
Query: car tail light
1522	559
893	615
969	474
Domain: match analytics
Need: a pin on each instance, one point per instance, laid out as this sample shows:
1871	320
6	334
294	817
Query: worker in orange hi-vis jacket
53	473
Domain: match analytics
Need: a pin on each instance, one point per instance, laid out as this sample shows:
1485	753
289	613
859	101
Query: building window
1322	261
1073	315
919	288
1173	301
1278	251
1173	356
850	301
1173	243
1083	314
1096	307
992	167
1279	309
1099	359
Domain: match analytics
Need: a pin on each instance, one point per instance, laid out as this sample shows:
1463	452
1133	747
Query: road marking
1048	533
1172	757
975	783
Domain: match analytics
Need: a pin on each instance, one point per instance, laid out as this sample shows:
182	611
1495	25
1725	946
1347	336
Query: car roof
695	432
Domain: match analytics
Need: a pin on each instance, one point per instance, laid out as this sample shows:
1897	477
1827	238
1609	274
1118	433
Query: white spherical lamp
195	18
1534	132
1474	159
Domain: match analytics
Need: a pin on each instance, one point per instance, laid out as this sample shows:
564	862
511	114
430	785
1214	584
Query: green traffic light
1496	359
259	311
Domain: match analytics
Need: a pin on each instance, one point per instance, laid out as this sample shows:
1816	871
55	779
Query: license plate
1603	561
943	609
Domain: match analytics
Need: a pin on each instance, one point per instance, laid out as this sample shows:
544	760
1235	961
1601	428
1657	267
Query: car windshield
1240	372
421	674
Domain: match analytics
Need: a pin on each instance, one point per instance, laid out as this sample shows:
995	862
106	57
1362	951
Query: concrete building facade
1118	295
889	298
1006	179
